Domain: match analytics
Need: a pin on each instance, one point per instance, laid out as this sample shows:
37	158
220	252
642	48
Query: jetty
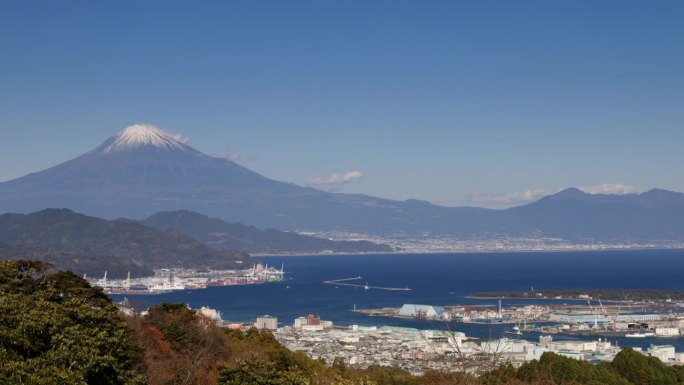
345	282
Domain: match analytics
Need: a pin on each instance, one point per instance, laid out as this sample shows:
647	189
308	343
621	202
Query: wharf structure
345	282
554	319
167	280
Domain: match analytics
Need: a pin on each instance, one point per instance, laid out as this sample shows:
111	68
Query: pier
344	282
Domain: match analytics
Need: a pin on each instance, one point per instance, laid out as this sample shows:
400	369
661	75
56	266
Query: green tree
257	372
642	370
556	369
56	329
176	321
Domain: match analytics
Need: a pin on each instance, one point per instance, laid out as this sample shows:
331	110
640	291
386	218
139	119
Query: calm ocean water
436	279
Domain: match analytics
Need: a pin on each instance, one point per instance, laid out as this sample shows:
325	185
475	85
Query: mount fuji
143	170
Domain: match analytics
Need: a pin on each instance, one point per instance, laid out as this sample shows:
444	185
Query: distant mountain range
655	215
142	171
85	244
237	236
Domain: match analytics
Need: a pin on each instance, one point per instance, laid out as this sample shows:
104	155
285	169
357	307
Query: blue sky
486	103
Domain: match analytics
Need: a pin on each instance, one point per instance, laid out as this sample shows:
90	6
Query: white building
666	332
266	322
665	353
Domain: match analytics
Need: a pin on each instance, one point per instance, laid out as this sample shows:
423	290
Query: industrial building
422	312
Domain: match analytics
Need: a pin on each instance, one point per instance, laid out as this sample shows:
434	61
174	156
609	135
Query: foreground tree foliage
555	369
56	329
639	369
180	346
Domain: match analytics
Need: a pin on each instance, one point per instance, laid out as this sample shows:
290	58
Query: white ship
165	286
639	335
516	331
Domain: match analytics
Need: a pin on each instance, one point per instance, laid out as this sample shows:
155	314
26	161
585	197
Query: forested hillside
56	329
138	247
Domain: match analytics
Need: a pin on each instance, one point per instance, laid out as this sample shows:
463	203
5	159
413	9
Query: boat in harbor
639	335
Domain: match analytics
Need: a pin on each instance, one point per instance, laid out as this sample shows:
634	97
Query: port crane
612	318
594	312
103	281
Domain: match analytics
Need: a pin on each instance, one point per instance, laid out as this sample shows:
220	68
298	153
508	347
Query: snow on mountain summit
139	135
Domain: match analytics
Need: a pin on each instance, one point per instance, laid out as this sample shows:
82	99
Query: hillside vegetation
56	329
92	265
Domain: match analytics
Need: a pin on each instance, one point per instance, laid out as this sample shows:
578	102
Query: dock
344	282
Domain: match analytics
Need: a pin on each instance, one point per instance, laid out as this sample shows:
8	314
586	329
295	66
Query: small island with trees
623	295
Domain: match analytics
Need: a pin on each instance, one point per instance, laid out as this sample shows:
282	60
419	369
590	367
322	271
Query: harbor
369	327
178	279
593	319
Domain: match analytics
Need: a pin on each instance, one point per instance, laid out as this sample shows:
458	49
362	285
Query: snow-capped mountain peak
139	135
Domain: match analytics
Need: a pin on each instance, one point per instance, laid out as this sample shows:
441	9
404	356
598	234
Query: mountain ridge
237	236
91	265
144	178
136	245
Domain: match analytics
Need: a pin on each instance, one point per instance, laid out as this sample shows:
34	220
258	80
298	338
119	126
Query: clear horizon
458	104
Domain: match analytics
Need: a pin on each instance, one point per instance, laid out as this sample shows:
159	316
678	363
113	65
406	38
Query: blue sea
435	279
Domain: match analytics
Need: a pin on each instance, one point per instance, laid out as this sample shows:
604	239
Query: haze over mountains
143	170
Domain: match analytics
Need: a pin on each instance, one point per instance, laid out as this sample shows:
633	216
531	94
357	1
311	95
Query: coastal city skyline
456	104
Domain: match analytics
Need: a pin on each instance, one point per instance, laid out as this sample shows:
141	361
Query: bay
435	279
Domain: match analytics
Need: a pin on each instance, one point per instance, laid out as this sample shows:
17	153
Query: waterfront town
440	243
418	351
531	329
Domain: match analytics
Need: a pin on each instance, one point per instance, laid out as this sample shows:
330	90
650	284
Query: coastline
460	251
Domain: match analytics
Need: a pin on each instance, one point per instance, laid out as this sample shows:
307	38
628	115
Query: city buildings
420	350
